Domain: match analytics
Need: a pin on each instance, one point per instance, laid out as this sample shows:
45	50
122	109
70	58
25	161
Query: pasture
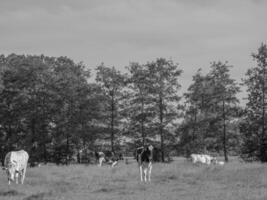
177	180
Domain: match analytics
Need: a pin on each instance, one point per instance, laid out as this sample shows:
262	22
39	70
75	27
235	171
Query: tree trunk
8	138
67	150
204	129
224	134
79	157
142	123
45	153
33	140
263	138
161	130
112	124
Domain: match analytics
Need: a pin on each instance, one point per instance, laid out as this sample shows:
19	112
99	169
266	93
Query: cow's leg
141	172
16	176
145	173
100	162
8	181
23	175
149	172
20	176
114	163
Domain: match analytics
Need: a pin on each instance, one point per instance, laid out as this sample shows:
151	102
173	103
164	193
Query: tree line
49	108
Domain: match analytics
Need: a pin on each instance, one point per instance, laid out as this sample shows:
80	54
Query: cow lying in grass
108	157
221	163
100	157
202	158
144	157
15	164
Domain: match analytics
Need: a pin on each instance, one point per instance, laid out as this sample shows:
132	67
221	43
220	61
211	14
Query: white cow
15	165
221	163
209	159
202	158
197	158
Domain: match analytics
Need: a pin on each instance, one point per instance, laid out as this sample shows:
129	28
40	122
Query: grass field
179	180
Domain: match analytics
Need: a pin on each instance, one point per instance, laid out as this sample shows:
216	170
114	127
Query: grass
177	180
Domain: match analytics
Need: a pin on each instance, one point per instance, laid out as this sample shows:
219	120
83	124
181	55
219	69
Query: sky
192	33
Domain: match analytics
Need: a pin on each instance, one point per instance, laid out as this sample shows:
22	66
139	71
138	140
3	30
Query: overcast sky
191	32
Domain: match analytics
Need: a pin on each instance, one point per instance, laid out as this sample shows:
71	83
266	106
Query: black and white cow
100	157
108	157
113	159
144	157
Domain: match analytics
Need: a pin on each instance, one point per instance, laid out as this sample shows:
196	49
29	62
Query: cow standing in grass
15	165
144	156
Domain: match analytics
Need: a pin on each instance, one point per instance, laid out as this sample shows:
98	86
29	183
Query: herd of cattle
15	162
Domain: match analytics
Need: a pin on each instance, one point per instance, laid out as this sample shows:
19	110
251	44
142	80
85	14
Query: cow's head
150	148
11	171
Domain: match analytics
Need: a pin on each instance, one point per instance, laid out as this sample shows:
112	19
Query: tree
163	75
45	104
224	100
140	102
211	109
22	101
253	127
73	93
112	83
193	132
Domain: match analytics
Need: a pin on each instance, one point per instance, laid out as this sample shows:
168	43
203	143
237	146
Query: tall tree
164	78
112	83
41	100
253	127
140	103
225	101
210	112
72	90
193	132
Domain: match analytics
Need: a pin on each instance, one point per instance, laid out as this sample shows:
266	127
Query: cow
202	158
108	157
100	157
144	157
221	163
15	164
112	158
209	159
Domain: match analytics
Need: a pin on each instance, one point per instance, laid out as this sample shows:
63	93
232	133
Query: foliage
112	83
49	108
164	79
211	109
46	104
139	106
253	127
